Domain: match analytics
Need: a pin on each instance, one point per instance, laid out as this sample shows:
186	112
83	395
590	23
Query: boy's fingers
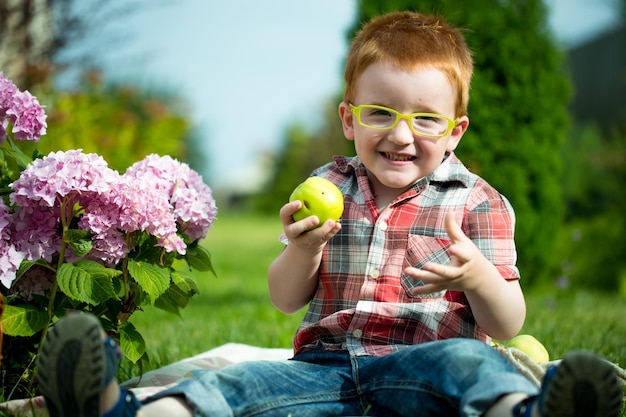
452	228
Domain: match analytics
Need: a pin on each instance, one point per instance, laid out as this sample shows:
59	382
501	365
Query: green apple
530	346
320	198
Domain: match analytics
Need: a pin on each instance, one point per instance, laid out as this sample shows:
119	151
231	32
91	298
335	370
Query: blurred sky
249	68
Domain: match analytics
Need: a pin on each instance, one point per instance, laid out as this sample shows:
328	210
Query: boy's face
397	158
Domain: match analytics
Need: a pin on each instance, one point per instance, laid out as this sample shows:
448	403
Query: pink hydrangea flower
7	91
112	206
10	257
73	175
72	178
36	232
23	110
190	198
10	260
28	117
131	207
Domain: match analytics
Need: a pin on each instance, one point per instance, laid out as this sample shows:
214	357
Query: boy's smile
399	157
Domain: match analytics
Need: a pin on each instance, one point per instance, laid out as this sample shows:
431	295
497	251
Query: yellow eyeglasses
383	118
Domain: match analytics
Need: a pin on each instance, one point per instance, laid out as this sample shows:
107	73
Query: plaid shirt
363	302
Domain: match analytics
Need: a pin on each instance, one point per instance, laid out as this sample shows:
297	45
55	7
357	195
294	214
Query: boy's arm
497	304
292	277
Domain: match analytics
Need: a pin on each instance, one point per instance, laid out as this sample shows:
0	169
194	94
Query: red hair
411	40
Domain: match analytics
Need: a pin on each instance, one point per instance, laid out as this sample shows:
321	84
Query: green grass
567	320
232	307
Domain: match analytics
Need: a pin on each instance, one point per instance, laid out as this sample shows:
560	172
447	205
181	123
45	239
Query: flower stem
55	286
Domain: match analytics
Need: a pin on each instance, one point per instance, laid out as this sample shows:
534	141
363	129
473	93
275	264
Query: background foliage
121	123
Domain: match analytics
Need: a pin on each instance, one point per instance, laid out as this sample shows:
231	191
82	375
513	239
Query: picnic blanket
159	379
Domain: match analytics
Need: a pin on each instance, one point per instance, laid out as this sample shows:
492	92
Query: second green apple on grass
320	198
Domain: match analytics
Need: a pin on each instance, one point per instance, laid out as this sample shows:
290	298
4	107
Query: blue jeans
456	377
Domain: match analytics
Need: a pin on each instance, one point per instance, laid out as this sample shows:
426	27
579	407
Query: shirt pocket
420	250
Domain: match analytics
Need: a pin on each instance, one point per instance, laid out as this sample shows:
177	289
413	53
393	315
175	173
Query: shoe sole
584	385
72	367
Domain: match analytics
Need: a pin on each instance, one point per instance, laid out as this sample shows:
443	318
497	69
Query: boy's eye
424	118
428	120
380	113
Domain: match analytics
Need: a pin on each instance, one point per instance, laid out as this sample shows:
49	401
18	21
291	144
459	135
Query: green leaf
152	279
185	282
79	241
166	303
21	159
87	281
24	320
25	266
131	342
199	258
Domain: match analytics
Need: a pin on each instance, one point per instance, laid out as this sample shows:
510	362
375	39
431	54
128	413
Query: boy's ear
347	120
457	133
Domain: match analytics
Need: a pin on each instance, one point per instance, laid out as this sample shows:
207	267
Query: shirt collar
451	170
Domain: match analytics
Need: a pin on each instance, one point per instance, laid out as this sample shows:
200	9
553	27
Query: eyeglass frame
356	110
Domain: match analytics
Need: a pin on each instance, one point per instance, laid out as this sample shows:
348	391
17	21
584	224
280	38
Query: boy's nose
401	134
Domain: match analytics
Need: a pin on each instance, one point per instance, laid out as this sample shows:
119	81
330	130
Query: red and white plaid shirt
363	302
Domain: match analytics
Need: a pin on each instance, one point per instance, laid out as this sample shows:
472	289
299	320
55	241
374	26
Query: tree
593	243
120	122
36	35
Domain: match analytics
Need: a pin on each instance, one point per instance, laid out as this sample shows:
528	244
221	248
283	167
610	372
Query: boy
402	295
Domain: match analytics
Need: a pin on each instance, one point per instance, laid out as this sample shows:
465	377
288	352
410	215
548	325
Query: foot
75	366
583	385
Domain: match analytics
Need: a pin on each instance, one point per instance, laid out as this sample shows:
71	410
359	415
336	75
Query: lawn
234	306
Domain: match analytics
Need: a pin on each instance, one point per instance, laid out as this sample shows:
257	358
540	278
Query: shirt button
383	226
357	333
375	273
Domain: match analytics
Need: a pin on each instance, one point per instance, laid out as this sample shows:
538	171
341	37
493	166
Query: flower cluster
193	207
23	110
158	195
76	234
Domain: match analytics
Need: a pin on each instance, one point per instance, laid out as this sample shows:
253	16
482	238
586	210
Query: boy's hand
460	274
304	234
